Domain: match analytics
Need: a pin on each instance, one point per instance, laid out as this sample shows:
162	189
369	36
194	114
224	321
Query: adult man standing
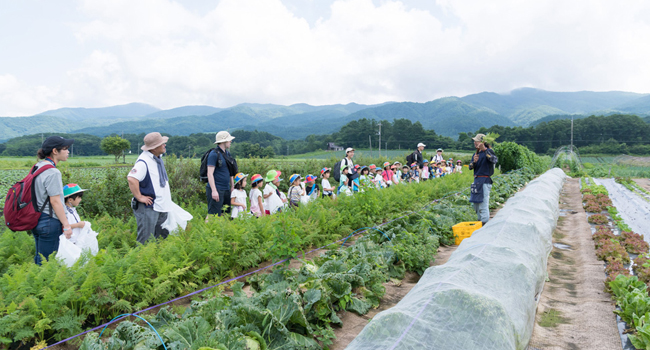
149	185
416	156
438	157
221	170
352	174
483	164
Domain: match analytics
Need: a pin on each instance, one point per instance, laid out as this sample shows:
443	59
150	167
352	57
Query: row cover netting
485	296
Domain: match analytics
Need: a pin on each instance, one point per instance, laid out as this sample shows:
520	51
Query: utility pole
379	139
370	143
571	133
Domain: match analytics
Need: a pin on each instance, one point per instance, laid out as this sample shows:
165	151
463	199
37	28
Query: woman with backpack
48	188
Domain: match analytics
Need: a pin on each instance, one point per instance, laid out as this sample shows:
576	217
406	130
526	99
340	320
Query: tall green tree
115	145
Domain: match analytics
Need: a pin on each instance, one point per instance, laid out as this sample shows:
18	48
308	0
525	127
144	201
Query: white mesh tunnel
485	296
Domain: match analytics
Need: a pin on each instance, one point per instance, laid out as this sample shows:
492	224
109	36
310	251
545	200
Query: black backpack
336	171
410	159
203	170
230	162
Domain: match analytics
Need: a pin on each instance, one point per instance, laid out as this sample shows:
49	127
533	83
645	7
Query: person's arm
260	204
213	187
491	156
267	195
232	184
233	201
57	207
134	186
79	224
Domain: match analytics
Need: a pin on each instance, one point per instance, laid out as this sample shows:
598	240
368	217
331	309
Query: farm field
209	252
609	230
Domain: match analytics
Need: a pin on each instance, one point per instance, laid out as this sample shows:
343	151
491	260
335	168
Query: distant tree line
613	134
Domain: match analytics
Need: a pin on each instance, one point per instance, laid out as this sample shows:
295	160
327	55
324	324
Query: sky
94	53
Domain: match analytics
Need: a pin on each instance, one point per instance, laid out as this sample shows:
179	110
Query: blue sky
91	53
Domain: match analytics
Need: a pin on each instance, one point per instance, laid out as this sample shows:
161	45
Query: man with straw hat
149	185
221	170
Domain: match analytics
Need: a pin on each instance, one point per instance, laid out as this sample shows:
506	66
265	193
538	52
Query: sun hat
396	163
223	136
70	189
349	149
239	177
293	178
53	142
310	178
255	178
271	175
459	161
372	167
414	165
153	140
478	137
386	164
439	150
425	161
363	167
324	170
278	176
357	166
421	145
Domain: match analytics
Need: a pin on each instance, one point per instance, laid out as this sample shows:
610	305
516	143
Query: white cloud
160	52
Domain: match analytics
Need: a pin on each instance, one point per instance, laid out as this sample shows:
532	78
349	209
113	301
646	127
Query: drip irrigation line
126	315
365	229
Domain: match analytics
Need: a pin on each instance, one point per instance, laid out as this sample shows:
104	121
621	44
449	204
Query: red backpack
21	211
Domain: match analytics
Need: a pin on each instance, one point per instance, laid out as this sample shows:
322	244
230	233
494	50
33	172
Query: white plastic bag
87	239
176	217
68	252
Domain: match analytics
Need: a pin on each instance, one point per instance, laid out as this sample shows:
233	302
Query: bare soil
574	310
645	183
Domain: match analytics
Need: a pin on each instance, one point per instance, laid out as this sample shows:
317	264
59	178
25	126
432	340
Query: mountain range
447	116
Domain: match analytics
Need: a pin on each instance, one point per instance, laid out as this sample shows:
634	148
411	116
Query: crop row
52	302
297	308
630	292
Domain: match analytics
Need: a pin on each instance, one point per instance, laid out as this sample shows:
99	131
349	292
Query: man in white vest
150	187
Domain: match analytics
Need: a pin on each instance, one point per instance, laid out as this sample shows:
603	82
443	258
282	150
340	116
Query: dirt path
645	183
574	312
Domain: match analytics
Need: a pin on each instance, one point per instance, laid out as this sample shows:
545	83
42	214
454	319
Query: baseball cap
479	137
53	142
348	150
421	145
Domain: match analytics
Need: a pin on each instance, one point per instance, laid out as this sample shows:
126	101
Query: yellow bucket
464	230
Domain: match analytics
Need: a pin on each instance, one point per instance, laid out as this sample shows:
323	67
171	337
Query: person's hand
475	158
145	199
67	231
215	195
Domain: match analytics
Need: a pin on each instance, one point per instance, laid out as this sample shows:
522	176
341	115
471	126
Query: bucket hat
310	178
271	175
323	171
223	136
255	178
70	189
153	140
386	164
293	178
239	177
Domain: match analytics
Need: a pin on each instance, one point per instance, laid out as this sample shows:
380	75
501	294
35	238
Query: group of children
266	199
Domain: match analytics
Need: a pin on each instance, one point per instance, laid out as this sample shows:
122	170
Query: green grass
366	153
72	162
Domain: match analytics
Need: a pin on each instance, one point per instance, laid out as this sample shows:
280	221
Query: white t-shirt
326	184
163	200
274	202
254	195
240	197
73	218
